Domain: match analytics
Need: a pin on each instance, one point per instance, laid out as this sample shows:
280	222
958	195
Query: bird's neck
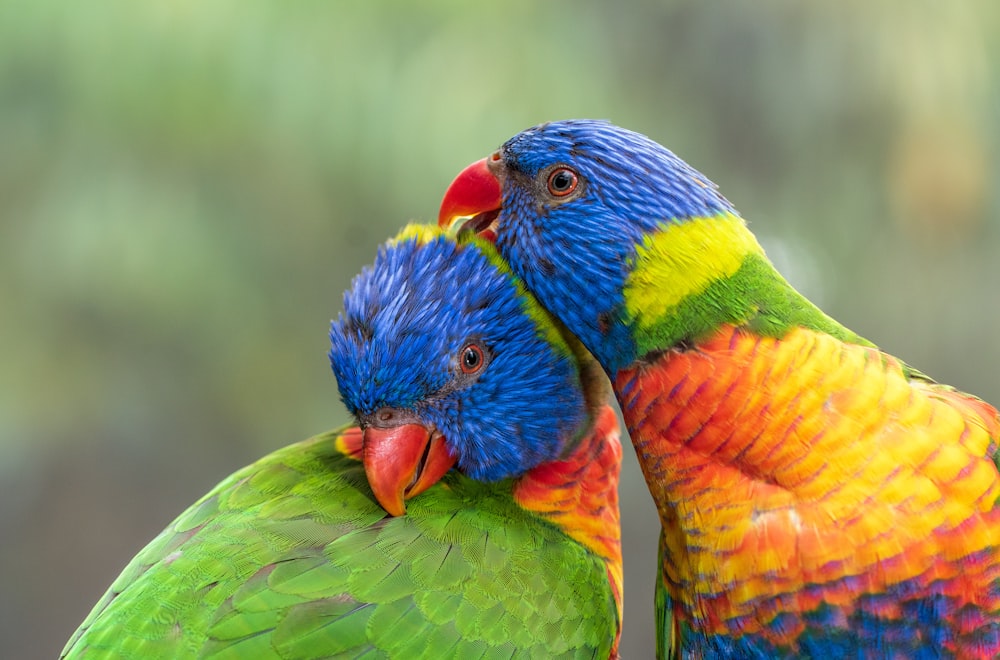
693	276
579	493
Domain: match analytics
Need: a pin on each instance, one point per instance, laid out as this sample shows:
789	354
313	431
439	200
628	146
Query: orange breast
800	471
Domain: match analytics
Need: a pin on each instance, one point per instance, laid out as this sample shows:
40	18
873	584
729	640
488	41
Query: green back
291	557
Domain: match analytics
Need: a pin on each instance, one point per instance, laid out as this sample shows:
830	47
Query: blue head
440	334
576	183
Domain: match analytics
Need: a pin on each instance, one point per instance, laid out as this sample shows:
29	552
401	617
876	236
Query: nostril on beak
388	417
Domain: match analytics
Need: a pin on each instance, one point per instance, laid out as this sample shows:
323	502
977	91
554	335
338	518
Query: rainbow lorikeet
443	358
817	496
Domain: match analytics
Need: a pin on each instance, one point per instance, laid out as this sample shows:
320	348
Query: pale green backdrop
187	187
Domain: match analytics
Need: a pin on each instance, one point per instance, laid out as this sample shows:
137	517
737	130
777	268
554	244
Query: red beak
472	200
403	461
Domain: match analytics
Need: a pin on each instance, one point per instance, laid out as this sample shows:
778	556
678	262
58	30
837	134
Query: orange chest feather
579	494
780	463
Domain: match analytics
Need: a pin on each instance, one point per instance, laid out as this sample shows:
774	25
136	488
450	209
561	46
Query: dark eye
472	359
562	181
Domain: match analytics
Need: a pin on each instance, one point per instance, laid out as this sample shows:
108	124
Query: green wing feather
291	557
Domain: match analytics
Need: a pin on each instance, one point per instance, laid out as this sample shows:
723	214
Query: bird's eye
562	181
472	359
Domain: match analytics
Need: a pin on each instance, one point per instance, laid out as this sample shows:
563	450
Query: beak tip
392	500
394	509
473	191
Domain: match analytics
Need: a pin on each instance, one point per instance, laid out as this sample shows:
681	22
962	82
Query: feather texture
291	557
817	496
515	555
807	485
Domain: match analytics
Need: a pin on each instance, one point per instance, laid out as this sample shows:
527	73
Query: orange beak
473	201
403	461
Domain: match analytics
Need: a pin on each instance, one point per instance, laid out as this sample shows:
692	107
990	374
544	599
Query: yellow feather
683	259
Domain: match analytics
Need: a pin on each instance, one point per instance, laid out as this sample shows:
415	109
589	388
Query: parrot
470	511
817	497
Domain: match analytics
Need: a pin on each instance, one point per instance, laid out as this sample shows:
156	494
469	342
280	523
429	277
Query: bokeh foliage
187	187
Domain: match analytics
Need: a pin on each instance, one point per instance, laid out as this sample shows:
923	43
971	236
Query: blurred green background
187	187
